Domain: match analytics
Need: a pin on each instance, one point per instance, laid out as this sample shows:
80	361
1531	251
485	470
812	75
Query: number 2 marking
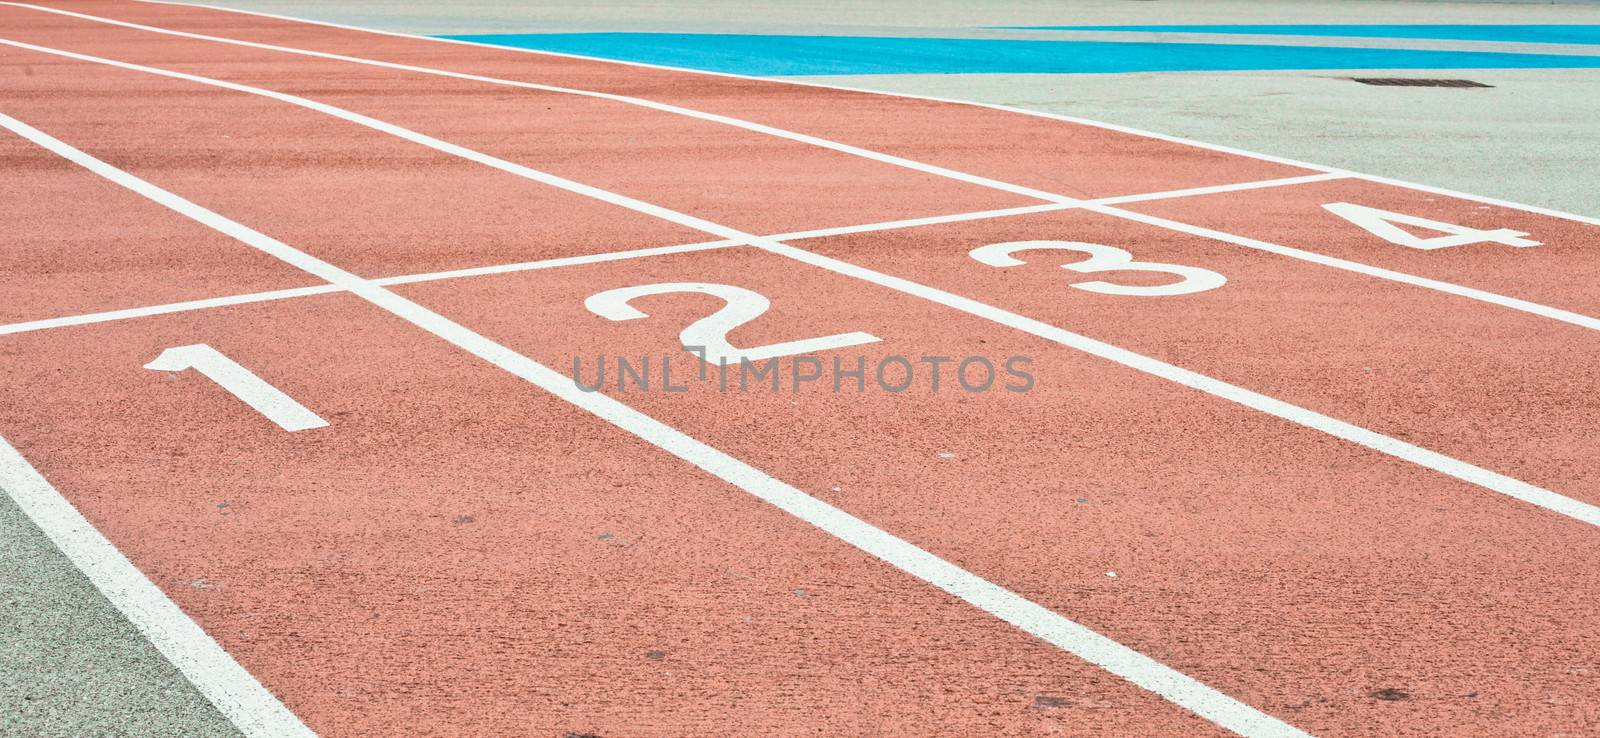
711	331
1382	223
241	383
1105	259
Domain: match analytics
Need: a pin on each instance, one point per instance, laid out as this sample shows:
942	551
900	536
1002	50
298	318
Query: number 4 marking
253	390
1382	224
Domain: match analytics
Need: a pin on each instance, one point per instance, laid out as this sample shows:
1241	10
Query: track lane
682	162
1083	160
456	553
1426	457
76	244
1232	541
636	103
1499	389
359	190
1007	606
1561	271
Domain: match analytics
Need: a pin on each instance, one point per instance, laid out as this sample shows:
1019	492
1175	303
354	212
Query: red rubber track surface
75	243
467	556
462	553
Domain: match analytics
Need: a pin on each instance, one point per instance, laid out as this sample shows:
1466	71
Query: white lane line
809	140
555	263
173	307
660	106
1020	612
1216	189
235	693
931	220
1324	174
672	109
1220	148
564	261
1494	481
1534	308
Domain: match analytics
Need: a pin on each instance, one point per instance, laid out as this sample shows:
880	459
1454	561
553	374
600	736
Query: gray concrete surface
71	665
1533	138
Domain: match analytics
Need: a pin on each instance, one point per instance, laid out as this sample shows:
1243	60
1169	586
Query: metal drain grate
1414	82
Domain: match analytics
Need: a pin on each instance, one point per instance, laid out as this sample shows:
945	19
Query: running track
1350	490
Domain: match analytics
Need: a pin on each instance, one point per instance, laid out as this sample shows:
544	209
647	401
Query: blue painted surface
1548	34
802	55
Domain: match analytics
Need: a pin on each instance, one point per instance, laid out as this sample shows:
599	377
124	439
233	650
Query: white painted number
711	331
255	392
1106	259
1386	225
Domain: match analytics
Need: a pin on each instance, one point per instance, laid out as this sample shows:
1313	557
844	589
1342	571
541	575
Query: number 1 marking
241	383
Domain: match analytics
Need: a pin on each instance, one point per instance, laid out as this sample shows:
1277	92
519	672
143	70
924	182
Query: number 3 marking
1105	259
711	331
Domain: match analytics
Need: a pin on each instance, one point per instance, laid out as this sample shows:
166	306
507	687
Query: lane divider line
565	261
1279	250
552	263
1030	617
171	307
1215	189
1142	133
1393	447
809	140
218	677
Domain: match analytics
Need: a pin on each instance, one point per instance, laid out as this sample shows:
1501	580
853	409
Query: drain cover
1414	82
